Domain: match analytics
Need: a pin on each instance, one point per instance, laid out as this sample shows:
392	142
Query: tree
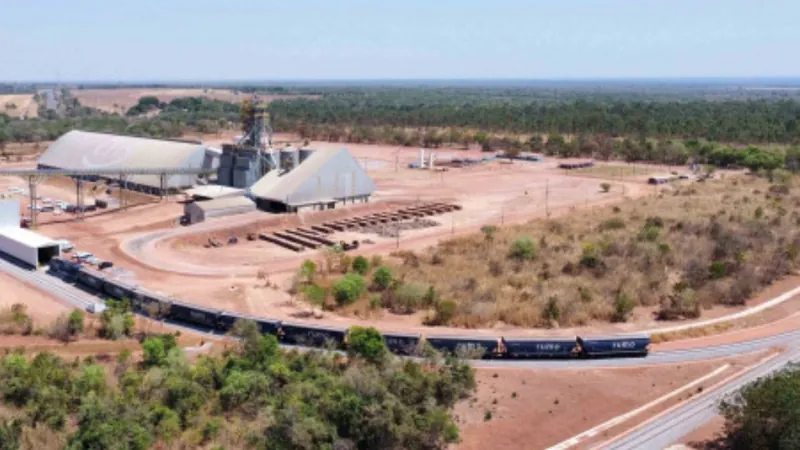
307	270
155	354
349	289
360	265
764	414
367	343
605	187
382	278
76	322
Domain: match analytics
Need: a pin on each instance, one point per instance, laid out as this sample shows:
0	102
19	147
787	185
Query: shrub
489	232
759	213
76	322
316	295
375	302
649	233
445	311
614	223
367	343
59	329
382	278
623	307
407	298
605	187
349	289
360	265
307	270
523	249
552	312
717	270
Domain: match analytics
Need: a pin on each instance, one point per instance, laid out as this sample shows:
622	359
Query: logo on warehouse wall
101	157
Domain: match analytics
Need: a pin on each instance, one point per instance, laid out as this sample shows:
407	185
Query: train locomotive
488	347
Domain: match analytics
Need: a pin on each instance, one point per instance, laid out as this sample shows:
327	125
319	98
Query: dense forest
729	121
635	123
253	395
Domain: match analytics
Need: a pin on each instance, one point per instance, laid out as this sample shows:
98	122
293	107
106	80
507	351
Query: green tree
155	354
367	343
349	289
764	414
76	322
383	278
360	265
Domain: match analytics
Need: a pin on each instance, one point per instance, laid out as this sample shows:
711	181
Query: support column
32	181
164	191
123	182
79	201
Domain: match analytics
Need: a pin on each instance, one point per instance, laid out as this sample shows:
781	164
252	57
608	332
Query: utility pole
502	213
547	197
398	238
453	224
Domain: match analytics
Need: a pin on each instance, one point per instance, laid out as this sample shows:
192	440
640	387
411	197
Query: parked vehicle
105	265
65	245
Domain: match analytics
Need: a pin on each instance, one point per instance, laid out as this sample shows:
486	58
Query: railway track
63	291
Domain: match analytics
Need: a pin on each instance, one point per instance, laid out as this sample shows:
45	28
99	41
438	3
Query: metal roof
86	150
225	203
325	174
214	191
27	237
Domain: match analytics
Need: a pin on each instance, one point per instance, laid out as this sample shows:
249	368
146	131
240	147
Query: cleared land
120	100
18	105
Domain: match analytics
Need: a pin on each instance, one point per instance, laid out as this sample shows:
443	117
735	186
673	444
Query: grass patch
677	254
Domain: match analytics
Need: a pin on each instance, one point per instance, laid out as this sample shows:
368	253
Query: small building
197	212
325	178
25	246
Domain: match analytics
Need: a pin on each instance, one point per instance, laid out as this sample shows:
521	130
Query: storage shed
87	150
226	206
325	178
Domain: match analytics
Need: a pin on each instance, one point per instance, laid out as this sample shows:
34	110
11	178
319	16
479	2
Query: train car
612	346
193	315
119	290
56	264
148	303
227	319
456	344
91	280
312	335
69	267
540	347
403	344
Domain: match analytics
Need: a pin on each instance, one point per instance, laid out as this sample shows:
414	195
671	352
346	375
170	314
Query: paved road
691	415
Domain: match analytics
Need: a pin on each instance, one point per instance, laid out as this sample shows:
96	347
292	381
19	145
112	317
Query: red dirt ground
554	405
42	308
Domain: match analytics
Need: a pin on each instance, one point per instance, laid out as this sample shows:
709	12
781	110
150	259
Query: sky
204	40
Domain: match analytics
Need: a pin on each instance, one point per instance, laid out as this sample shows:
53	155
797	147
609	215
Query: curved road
655	434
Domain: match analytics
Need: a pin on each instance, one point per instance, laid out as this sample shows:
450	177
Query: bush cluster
255	395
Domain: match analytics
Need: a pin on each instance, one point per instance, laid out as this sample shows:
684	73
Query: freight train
145	303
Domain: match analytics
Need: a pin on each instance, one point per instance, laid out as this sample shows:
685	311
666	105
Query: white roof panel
85	150
27	237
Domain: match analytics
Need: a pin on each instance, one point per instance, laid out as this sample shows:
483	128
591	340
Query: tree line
731	121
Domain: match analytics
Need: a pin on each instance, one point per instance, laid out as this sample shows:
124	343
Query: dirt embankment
535	409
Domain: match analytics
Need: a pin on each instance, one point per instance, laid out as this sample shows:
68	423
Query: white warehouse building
316	180
87	150
24	246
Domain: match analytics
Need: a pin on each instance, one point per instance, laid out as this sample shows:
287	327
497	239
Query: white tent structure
86	150
25	246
